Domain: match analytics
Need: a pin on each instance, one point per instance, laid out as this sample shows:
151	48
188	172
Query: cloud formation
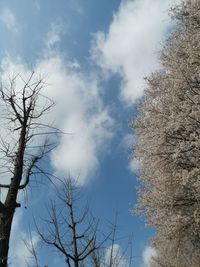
118	259
8	19
147	255
79	112
130	46
53	36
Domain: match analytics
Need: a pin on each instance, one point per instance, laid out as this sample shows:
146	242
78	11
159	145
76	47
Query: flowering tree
168	148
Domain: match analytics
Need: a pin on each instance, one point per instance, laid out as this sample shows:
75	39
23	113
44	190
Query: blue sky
95	55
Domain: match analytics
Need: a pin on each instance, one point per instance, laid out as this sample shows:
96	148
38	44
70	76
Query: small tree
74	233
23	106
71	228
168	148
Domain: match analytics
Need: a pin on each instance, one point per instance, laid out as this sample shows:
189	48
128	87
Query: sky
95	55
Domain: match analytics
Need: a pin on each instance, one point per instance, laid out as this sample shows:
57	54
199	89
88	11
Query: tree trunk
5	229
7	210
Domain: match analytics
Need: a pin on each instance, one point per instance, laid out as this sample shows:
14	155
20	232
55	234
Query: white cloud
118	259
53	36
147	255
79	111
134	165
130	45
8	18
19	254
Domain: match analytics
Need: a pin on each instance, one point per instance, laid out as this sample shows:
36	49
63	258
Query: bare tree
71	228
72	231
112	254
168	149
22	108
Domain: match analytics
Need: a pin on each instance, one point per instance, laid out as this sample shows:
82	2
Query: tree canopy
168	148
